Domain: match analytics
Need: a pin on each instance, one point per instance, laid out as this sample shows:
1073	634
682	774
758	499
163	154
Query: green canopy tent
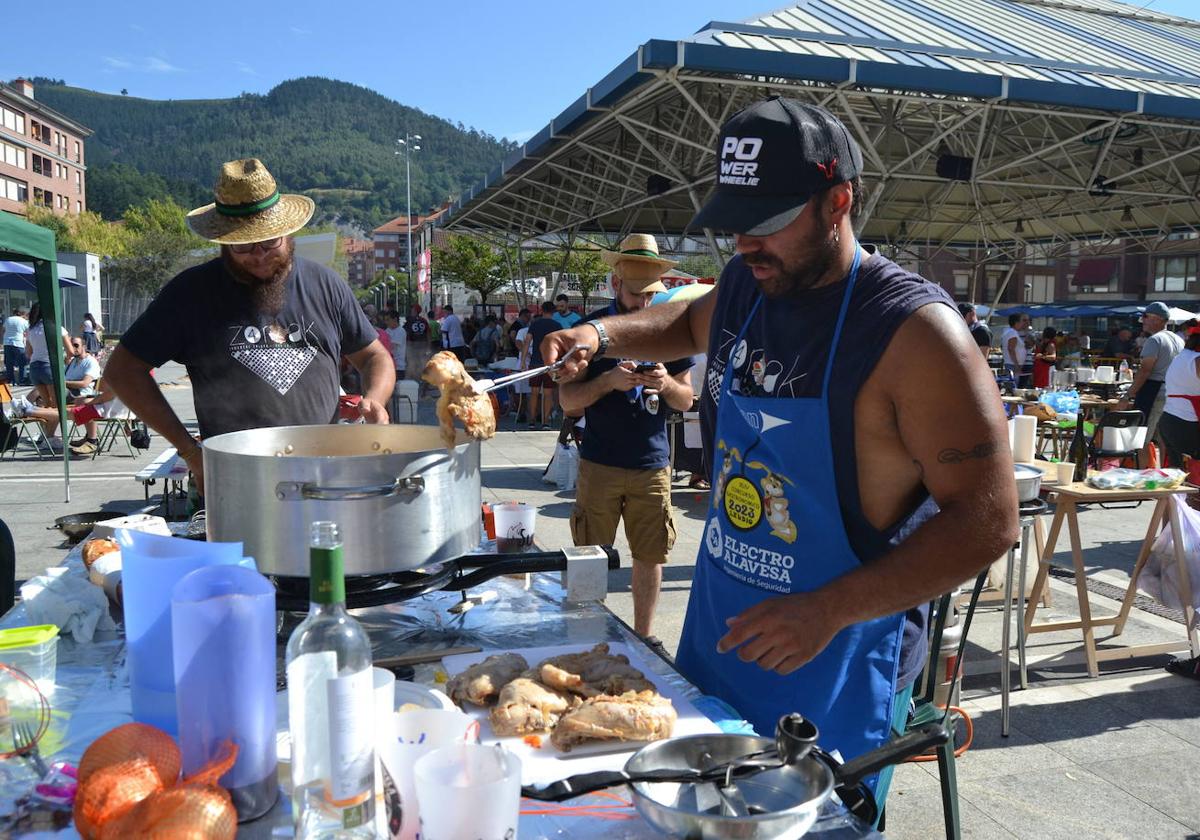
25	242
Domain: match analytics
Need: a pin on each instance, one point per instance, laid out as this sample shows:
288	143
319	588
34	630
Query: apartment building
360	260
1100	272
391	239
41	154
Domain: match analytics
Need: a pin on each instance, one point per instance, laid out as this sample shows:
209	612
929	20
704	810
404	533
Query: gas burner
1033	508
291	593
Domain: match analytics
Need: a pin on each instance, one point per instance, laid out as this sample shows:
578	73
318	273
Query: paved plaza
1117	756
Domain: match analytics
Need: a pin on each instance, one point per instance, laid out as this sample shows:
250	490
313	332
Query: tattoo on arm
979	452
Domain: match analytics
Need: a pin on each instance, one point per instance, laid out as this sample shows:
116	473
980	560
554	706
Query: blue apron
775	528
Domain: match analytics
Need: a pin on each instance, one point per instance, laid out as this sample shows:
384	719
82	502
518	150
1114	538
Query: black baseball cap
772	157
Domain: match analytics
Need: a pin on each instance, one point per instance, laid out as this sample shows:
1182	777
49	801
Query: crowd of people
1163	364
27	362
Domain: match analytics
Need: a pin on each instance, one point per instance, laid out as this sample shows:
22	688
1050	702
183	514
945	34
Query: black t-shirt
416	328
619	431
787	345
539	329
250	370
981	334
1115	347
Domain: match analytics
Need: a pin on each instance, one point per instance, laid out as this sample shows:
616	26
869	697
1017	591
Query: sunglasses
268	245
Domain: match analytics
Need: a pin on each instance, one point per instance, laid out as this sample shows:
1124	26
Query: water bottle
1124	375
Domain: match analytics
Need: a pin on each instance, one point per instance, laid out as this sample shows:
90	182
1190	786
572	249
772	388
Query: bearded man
852	484
260	331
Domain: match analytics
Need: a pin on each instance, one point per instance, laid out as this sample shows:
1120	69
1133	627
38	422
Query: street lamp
407	147
396	284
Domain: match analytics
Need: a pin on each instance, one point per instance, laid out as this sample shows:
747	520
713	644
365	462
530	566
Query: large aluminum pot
399	498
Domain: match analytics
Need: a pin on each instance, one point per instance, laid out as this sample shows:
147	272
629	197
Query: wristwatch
602	335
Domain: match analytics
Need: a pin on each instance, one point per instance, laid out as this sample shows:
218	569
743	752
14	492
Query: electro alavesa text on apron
764	566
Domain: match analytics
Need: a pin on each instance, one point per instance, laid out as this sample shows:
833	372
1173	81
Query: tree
700	265
85	232
472	262
124	91
161	245
590	269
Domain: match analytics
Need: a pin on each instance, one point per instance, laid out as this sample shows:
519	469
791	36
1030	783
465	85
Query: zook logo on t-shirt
276	353
738	161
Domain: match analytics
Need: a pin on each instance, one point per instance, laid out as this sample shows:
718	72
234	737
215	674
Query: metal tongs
482	386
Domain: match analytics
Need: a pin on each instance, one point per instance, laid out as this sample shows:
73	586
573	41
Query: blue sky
505	68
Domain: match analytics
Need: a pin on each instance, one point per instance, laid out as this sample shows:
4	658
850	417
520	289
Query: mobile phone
645	367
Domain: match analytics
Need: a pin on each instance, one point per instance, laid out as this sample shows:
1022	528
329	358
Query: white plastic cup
415	734
515	522
487	777
1065	472
383	693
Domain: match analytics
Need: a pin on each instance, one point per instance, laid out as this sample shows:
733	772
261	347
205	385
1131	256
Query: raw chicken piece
593	672
459	399
481	683
526	706
632	716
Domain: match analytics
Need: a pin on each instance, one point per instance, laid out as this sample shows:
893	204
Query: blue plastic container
223	638
151	565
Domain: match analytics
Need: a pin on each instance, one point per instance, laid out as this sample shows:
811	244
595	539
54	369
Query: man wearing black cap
850	485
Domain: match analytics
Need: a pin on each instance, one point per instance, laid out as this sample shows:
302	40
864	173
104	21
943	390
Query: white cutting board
548	763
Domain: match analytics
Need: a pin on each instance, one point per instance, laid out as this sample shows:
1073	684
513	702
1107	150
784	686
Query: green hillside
334	138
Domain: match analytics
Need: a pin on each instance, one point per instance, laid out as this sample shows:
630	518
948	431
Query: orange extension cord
958	750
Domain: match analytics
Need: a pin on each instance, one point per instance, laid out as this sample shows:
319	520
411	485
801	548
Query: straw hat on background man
637	263
249	207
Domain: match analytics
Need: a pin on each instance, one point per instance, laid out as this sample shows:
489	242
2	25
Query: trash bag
1063	402
1160	577
563	471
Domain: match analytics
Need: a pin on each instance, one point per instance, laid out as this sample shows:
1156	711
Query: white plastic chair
408	391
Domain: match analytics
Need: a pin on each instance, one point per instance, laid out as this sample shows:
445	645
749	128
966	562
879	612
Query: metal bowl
1029	482
783	803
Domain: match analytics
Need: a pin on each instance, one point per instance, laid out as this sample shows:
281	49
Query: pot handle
893	752
291	491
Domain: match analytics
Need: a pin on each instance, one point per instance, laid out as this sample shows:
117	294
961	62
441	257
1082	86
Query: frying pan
76	526
740	786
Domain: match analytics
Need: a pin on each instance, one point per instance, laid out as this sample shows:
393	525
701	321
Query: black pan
77	526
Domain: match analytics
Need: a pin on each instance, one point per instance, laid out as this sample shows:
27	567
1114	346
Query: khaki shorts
606	495
1156	413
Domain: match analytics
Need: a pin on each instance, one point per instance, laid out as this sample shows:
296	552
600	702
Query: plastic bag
564	468
1063	402
1123	479
1160	577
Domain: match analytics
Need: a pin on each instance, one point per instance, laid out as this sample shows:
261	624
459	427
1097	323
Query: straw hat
249	207
637	247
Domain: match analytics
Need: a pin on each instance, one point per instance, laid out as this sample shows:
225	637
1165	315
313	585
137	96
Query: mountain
333	140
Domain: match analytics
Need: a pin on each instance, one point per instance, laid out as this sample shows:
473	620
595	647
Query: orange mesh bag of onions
129	787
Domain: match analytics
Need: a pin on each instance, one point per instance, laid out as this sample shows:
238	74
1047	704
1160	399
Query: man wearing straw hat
850	487
624	471
260	331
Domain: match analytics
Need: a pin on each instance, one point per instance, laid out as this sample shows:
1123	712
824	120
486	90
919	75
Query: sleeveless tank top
786	345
